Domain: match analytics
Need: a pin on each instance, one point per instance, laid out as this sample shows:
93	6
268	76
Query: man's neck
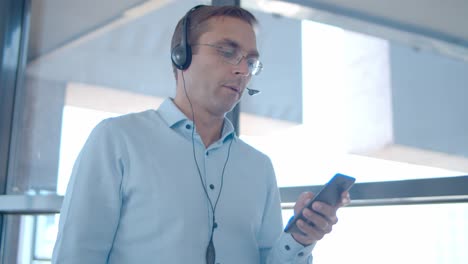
208	126
209	130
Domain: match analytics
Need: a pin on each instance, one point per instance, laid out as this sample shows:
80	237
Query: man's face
213	82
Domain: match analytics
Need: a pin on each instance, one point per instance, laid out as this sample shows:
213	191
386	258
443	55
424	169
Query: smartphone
330	194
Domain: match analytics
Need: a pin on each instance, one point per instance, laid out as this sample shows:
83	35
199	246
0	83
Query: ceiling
439	25
427	24
55	23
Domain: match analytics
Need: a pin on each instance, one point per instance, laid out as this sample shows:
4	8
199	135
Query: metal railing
418	191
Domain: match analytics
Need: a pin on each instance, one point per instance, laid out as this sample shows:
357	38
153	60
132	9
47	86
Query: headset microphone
252	92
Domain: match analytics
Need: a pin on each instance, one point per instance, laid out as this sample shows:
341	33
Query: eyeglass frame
222	50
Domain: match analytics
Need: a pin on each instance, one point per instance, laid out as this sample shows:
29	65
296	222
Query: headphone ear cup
181	56
178	56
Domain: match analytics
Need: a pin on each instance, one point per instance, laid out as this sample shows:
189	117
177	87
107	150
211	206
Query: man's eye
227	53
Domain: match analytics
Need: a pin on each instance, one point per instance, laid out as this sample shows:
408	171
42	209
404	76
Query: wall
429	94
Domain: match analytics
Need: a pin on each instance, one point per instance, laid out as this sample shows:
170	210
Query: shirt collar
170	113
173	117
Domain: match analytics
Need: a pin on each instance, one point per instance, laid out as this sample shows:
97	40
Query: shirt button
207	153
287	247
211	186
188	126
300	254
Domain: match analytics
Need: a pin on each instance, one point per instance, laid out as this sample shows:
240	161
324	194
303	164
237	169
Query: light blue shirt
135	196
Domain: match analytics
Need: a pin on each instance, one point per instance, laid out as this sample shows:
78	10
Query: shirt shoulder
251	151
136	119
134	123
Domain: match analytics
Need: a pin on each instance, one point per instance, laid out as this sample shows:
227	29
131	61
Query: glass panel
46	233
406	234
37	238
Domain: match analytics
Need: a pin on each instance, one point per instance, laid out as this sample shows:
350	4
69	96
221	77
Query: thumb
303	199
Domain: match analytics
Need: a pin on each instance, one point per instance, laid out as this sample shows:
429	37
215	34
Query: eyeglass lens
234	56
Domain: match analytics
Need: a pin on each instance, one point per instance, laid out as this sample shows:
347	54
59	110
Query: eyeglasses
234	56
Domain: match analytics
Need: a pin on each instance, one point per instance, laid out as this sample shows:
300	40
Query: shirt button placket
207	154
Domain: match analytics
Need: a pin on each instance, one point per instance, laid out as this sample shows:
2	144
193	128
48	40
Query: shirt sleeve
277	247
288	250
91	207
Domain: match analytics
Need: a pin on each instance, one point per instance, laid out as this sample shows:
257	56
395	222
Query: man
177	185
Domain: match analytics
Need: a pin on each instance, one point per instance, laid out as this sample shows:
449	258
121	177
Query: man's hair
196	25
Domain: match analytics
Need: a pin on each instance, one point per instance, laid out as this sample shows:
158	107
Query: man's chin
229	107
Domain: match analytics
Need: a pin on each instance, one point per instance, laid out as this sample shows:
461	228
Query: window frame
14	30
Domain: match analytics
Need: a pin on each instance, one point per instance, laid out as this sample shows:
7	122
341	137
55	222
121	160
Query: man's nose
242	68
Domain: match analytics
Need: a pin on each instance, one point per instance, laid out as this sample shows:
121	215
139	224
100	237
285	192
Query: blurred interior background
376	90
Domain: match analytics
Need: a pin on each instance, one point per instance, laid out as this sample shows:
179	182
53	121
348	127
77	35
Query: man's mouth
234	88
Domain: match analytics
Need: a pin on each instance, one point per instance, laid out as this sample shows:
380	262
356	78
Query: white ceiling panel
428	24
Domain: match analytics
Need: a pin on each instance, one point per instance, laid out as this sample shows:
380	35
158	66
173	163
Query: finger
312	233
302	201
345	199
327	211
318	221
305	197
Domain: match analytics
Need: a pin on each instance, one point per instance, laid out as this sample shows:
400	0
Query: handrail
404	192
30	204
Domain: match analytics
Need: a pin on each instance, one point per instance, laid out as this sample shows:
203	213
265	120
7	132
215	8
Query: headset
181	54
